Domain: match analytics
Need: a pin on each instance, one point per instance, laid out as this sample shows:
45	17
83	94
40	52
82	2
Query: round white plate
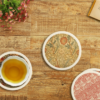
84	72
30	69
66	33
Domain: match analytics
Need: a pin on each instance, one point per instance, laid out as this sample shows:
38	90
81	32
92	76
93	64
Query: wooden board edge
91	7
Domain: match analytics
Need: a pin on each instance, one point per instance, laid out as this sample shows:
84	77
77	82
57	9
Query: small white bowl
43	50
19	59
29	76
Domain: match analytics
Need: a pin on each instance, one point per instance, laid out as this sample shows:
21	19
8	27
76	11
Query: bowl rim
61	32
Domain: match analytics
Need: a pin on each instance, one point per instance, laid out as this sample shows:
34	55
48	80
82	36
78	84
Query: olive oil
14	71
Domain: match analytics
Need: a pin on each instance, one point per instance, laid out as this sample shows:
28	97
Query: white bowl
30	71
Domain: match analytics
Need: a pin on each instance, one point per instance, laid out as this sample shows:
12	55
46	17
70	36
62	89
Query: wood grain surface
47	17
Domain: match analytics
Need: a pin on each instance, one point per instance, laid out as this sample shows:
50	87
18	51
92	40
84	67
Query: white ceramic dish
26	65
67	33
73	83
30	71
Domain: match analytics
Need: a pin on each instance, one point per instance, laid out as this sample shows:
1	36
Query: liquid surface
14	71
